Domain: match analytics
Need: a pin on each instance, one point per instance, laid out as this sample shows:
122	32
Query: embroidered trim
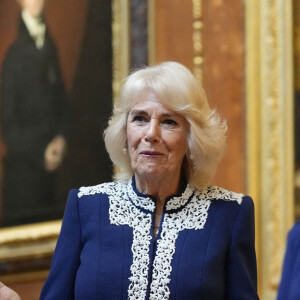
215	192
177	202
104	188
122	211
140	201
193	216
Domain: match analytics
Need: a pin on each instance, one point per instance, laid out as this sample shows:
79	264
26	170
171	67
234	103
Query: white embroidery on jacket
177	202
215	192
193	216
105	188
143	202
190	215
123	212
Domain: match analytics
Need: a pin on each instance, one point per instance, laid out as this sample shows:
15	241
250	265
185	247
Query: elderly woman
159	232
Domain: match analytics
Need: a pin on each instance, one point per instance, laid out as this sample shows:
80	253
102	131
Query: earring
190	157
124	150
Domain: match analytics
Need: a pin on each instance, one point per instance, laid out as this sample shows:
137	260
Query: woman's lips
151	153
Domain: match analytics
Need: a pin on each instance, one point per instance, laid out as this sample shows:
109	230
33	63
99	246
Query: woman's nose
153	131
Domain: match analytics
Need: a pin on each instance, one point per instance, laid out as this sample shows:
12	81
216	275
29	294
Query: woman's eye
169	122
138	119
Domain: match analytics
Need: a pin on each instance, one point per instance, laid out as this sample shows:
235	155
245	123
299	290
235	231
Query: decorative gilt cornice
197	39
27	248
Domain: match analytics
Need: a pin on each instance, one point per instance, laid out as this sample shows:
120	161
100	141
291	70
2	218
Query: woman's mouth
151	153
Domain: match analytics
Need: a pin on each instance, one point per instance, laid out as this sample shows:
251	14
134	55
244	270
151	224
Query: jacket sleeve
241	264
289	285
66	259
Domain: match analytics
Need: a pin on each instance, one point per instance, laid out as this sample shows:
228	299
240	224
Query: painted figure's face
33	7
156	137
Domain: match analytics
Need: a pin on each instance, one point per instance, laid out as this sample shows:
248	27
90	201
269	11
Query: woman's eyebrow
169	115
143	112
138	112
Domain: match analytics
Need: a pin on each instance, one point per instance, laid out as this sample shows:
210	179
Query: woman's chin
154	173
150	172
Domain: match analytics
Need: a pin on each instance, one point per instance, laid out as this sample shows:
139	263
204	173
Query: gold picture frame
270	163
26	251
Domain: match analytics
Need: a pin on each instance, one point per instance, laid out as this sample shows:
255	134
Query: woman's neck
160	188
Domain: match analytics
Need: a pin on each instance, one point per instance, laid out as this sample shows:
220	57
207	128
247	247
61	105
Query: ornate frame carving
269	86
197	39
26	251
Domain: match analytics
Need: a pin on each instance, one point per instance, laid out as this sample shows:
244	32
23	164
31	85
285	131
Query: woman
289	288
160	232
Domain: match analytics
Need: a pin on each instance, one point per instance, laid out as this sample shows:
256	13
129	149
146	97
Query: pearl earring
124	150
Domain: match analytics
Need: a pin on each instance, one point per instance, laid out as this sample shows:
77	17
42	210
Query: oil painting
55	100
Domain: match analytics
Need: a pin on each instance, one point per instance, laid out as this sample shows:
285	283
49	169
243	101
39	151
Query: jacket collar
173	203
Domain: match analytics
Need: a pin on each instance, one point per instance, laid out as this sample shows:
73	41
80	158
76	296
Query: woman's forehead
147	99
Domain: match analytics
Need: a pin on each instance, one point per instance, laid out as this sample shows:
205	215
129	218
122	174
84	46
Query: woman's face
33	7
156	138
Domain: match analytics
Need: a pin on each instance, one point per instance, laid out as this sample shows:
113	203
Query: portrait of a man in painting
55	60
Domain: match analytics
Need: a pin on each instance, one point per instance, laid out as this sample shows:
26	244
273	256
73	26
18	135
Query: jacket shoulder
108	188
218	193
294	233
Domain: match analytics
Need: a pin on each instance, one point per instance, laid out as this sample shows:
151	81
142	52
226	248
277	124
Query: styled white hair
177	88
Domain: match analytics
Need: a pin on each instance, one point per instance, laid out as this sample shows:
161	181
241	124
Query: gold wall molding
120	43
27	245
270	132
151	32
197	39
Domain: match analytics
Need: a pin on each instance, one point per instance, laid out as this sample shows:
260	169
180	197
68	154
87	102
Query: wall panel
222	43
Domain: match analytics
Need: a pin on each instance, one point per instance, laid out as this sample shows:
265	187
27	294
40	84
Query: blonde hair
177	88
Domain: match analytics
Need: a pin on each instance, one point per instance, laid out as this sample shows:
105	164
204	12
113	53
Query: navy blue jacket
204	248
289	288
